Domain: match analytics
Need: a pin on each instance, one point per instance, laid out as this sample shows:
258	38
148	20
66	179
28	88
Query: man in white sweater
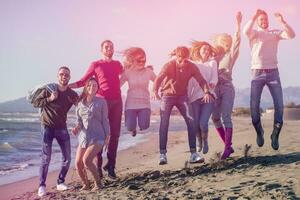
264	45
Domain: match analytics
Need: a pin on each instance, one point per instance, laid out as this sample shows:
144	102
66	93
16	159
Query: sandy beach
254	173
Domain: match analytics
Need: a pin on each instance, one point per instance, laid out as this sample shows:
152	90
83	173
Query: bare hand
75	130
258	12
208	98
239	17
106	142
211	86
53	96
155	96
279	18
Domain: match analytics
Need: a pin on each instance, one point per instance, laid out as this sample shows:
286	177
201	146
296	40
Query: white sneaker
196	158
62	187
163	159
42	191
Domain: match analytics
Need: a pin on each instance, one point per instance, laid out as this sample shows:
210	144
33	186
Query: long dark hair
196	46
83	95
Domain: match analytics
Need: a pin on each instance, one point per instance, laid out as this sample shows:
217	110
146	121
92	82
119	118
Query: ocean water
20	144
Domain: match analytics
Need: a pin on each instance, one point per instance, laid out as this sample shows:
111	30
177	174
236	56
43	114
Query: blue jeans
142	116
63	139
272	80
201	112
167	104
223	105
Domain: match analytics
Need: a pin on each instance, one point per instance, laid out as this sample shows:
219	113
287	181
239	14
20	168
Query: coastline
263	174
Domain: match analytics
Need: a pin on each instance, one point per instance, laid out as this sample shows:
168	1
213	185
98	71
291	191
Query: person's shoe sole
112	177
163	163
198	161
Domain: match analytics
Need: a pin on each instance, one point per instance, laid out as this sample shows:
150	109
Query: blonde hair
217	37
130	55
195	50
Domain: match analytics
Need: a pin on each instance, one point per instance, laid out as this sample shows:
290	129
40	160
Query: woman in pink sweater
137	104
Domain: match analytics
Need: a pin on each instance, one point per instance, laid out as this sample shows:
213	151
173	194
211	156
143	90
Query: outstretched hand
75	130
279	18
53	96
239	17
258	12
208	98
155	96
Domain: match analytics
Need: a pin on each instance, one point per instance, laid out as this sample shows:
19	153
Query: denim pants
137	116
201	113
63	139
223	104
272	80
167	103
115	117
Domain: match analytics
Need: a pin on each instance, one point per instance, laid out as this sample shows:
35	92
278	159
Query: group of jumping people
197	80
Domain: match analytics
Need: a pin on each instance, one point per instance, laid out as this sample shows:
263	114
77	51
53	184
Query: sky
38	36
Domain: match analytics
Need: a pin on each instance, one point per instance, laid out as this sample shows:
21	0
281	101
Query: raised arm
42	99
288	32
248	29
236	39
90	72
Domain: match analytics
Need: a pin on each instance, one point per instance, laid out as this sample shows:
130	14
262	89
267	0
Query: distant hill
290	94
17	105
242	99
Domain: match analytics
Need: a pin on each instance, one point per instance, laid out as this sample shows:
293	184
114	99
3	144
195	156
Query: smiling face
107	49
263	21
139	61
182	54
225	43
92	88
205	52
63	77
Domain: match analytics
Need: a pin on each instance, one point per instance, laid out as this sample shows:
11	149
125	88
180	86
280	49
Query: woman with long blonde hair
228	53
202	53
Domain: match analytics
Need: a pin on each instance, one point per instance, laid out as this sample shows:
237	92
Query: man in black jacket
55	106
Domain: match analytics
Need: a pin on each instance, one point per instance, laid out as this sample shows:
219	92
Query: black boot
260	134
111	171
275	136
